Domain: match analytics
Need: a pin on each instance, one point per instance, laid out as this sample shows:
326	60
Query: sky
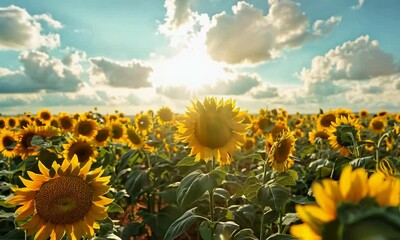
132	56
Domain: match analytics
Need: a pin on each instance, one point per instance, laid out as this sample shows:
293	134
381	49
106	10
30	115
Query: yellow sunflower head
44	116
82	147
343	112
263	124
314	134
3	123
249	144
64	200
281	151
12	122
213	129
352	188
369	145
24	147
133	138
8	142
298	122
397	118
343	132
144	122
363	114
66	122
279	128
325	120
378	124
117	131
86	127
24	121
102	136
165	115
382	113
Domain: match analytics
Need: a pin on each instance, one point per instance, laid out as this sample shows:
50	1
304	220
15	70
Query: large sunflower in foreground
64	200
343	132
213	129
343	209
281	151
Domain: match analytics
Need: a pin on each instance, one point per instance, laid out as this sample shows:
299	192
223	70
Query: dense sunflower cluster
85	175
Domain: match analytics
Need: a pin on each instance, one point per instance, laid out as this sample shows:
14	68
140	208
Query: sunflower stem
379	145
280	222
265	169
262	230
262	227
211	196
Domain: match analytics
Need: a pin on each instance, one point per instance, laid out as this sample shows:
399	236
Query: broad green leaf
250	188
187	162
182	224
113	207
273	195
281	237
137	182
244	234
225	230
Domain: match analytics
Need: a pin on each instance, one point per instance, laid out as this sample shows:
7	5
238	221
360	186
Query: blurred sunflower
133	138
397	118
363	114
8	142
3	123
281	151
64	200
353	188
143	123
213	129
262	124
44	116
54	122
102	136
386	167
343	112
249	144
378	124
81	147
341	133
314	134
117	131
369	145
382	113
12	122
298	122
325	120
24	121
86	127
279	128
66	122
165	115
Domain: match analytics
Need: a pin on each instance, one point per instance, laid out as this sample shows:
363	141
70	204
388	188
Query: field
215	172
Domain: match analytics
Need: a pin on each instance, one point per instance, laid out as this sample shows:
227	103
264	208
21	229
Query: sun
191	68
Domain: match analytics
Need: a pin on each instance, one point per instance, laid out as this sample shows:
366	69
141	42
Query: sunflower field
213	172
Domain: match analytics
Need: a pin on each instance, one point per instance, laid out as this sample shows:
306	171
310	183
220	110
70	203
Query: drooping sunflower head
144	122
8	142
102	136
355	191
343	133
165	115
281	151
213	129
44	116
66	122
325	120
363	114
279	128
378	124
82	147
64	200
314	134
86	127
117	131
133	138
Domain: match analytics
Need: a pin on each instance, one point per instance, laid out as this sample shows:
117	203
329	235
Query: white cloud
249	36
360	3
265	91
49	20
240	84
19	30
174	92
39	72
133	74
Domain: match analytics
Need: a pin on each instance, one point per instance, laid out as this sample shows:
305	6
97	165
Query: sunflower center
82	149
282	151
12	122
45	116
144	123
85	128
66	123
8	142
322	135
377	125
102	135
265	123
26	140
54	123
327	120
23	123
117	132
166	115
133	137
64	200
2	124
212	130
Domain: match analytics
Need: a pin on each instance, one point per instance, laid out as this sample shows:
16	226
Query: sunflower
249	144
298	122
343	132
369	145
325	120
64	200
363	114
44	116
213	129
8	141
345	112
165	115
85	127
102	136
278	129
352	188
281	151
12	122
24	121
397	118
24	147
133	138
117	131
378	124
386	167
314	134
66	122
382	113
143	123
3	123
263	124
82	147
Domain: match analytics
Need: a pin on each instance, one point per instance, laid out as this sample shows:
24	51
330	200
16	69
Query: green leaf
186	162
4	214
138	181
37	141
287	178
182	224
290	218
14	234
281	237
113	207
245	234
225	230
250	188
270	215
273	195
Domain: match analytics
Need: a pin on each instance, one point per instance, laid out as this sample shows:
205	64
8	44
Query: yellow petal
43	169
345	181
25	210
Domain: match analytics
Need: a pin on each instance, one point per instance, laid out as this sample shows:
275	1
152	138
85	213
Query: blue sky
140	55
